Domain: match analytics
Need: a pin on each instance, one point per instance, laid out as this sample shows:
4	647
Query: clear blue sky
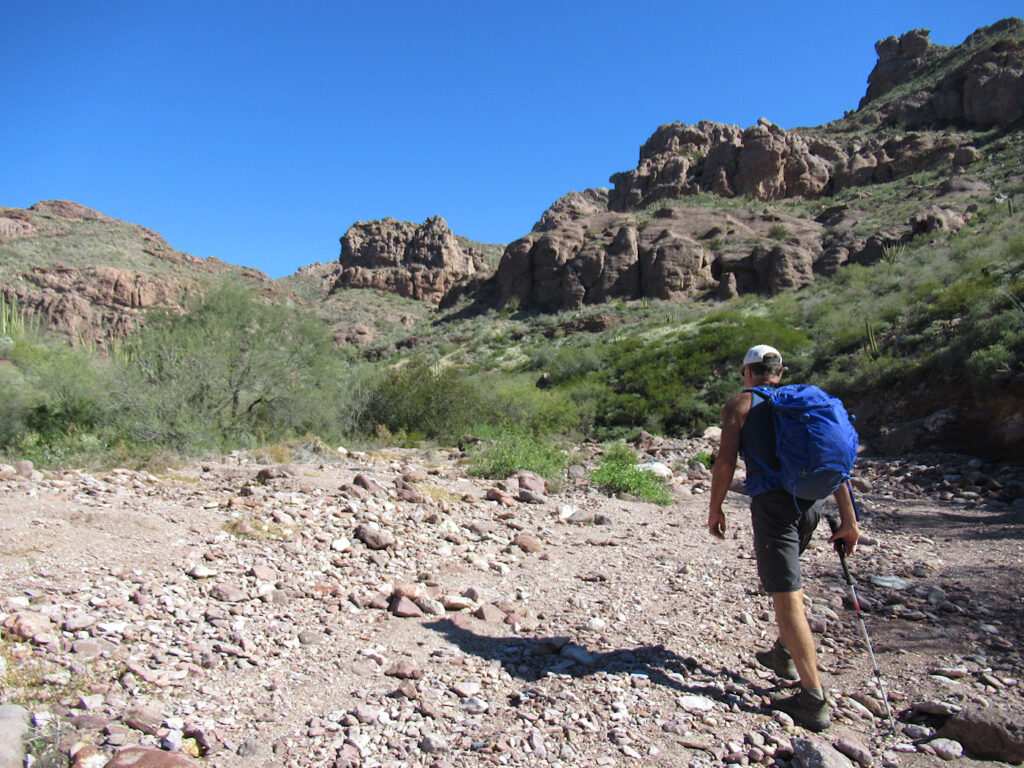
258	131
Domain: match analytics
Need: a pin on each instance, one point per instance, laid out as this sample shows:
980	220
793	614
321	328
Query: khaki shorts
782	530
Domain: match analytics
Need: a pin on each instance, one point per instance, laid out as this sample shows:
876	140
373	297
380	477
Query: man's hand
716	523
845	532
846	536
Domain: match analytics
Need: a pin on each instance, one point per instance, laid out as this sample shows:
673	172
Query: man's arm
733	416
849	529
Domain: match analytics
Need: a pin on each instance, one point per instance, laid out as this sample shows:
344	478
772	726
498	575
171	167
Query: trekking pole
841	549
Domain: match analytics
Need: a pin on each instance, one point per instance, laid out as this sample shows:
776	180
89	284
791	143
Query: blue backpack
814	440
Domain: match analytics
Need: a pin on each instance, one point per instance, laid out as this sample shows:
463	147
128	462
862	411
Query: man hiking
783	525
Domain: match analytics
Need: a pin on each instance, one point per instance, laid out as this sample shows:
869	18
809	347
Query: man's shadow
532	658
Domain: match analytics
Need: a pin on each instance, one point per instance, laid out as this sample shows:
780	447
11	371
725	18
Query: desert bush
617	472
230	370
421	397
516	399
505	450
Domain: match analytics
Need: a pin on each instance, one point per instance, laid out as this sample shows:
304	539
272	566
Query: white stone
695	703
656	468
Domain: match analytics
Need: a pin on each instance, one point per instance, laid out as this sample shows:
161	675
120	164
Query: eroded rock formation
979	83
419	261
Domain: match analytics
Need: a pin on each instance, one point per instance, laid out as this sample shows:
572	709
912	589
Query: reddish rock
28	625
490	612
150	757
404	670
527	542
532	482
416	261
405	608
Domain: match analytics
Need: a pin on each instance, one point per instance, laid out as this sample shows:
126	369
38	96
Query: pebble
947	749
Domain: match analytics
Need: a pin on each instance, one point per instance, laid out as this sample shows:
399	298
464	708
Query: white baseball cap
759	353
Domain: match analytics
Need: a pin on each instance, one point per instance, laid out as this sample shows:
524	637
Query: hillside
92	277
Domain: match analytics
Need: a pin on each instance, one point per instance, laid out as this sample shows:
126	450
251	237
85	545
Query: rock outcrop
118	270
418	261
588	256
88	304
979	83
766	162
644	238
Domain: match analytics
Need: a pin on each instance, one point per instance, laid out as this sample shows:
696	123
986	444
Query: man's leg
796	635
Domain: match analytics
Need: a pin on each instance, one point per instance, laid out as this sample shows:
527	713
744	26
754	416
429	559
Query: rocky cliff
666	229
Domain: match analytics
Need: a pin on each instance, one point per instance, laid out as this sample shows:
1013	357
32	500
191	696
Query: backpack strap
765	393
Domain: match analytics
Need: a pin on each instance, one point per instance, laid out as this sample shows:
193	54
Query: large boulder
987	733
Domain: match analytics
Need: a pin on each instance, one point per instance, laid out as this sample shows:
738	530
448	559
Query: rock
695	703
404	670
475	705
27	625
251	747
150	757
875	706
581	517
530	497
947	749
267	474
88	757
814	754
490	612
433	743
889	582
578	654
466	688
144	717
656	468
527	542
365	714
228	593
13	727
431	607
374	538
531	482
310	637
405	608
986	733
24	468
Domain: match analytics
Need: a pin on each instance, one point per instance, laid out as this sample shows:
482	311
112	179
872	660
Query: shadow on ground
531	658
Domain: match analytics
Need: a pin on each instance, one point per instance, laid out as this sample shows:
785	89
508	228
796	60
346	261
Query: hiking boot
778	660
806	709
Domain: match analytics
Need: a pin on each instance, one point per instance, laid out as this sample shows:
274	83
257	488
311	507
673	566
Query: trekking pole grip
840	548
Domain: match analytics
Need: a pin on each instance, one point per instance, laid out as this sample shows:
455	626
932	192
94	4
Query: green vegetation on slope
234	371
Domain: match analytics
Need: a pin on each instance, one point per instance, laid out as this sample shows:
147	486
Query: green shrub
778	232
701	459
516	399
617	473
504	451
230	371
439	403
